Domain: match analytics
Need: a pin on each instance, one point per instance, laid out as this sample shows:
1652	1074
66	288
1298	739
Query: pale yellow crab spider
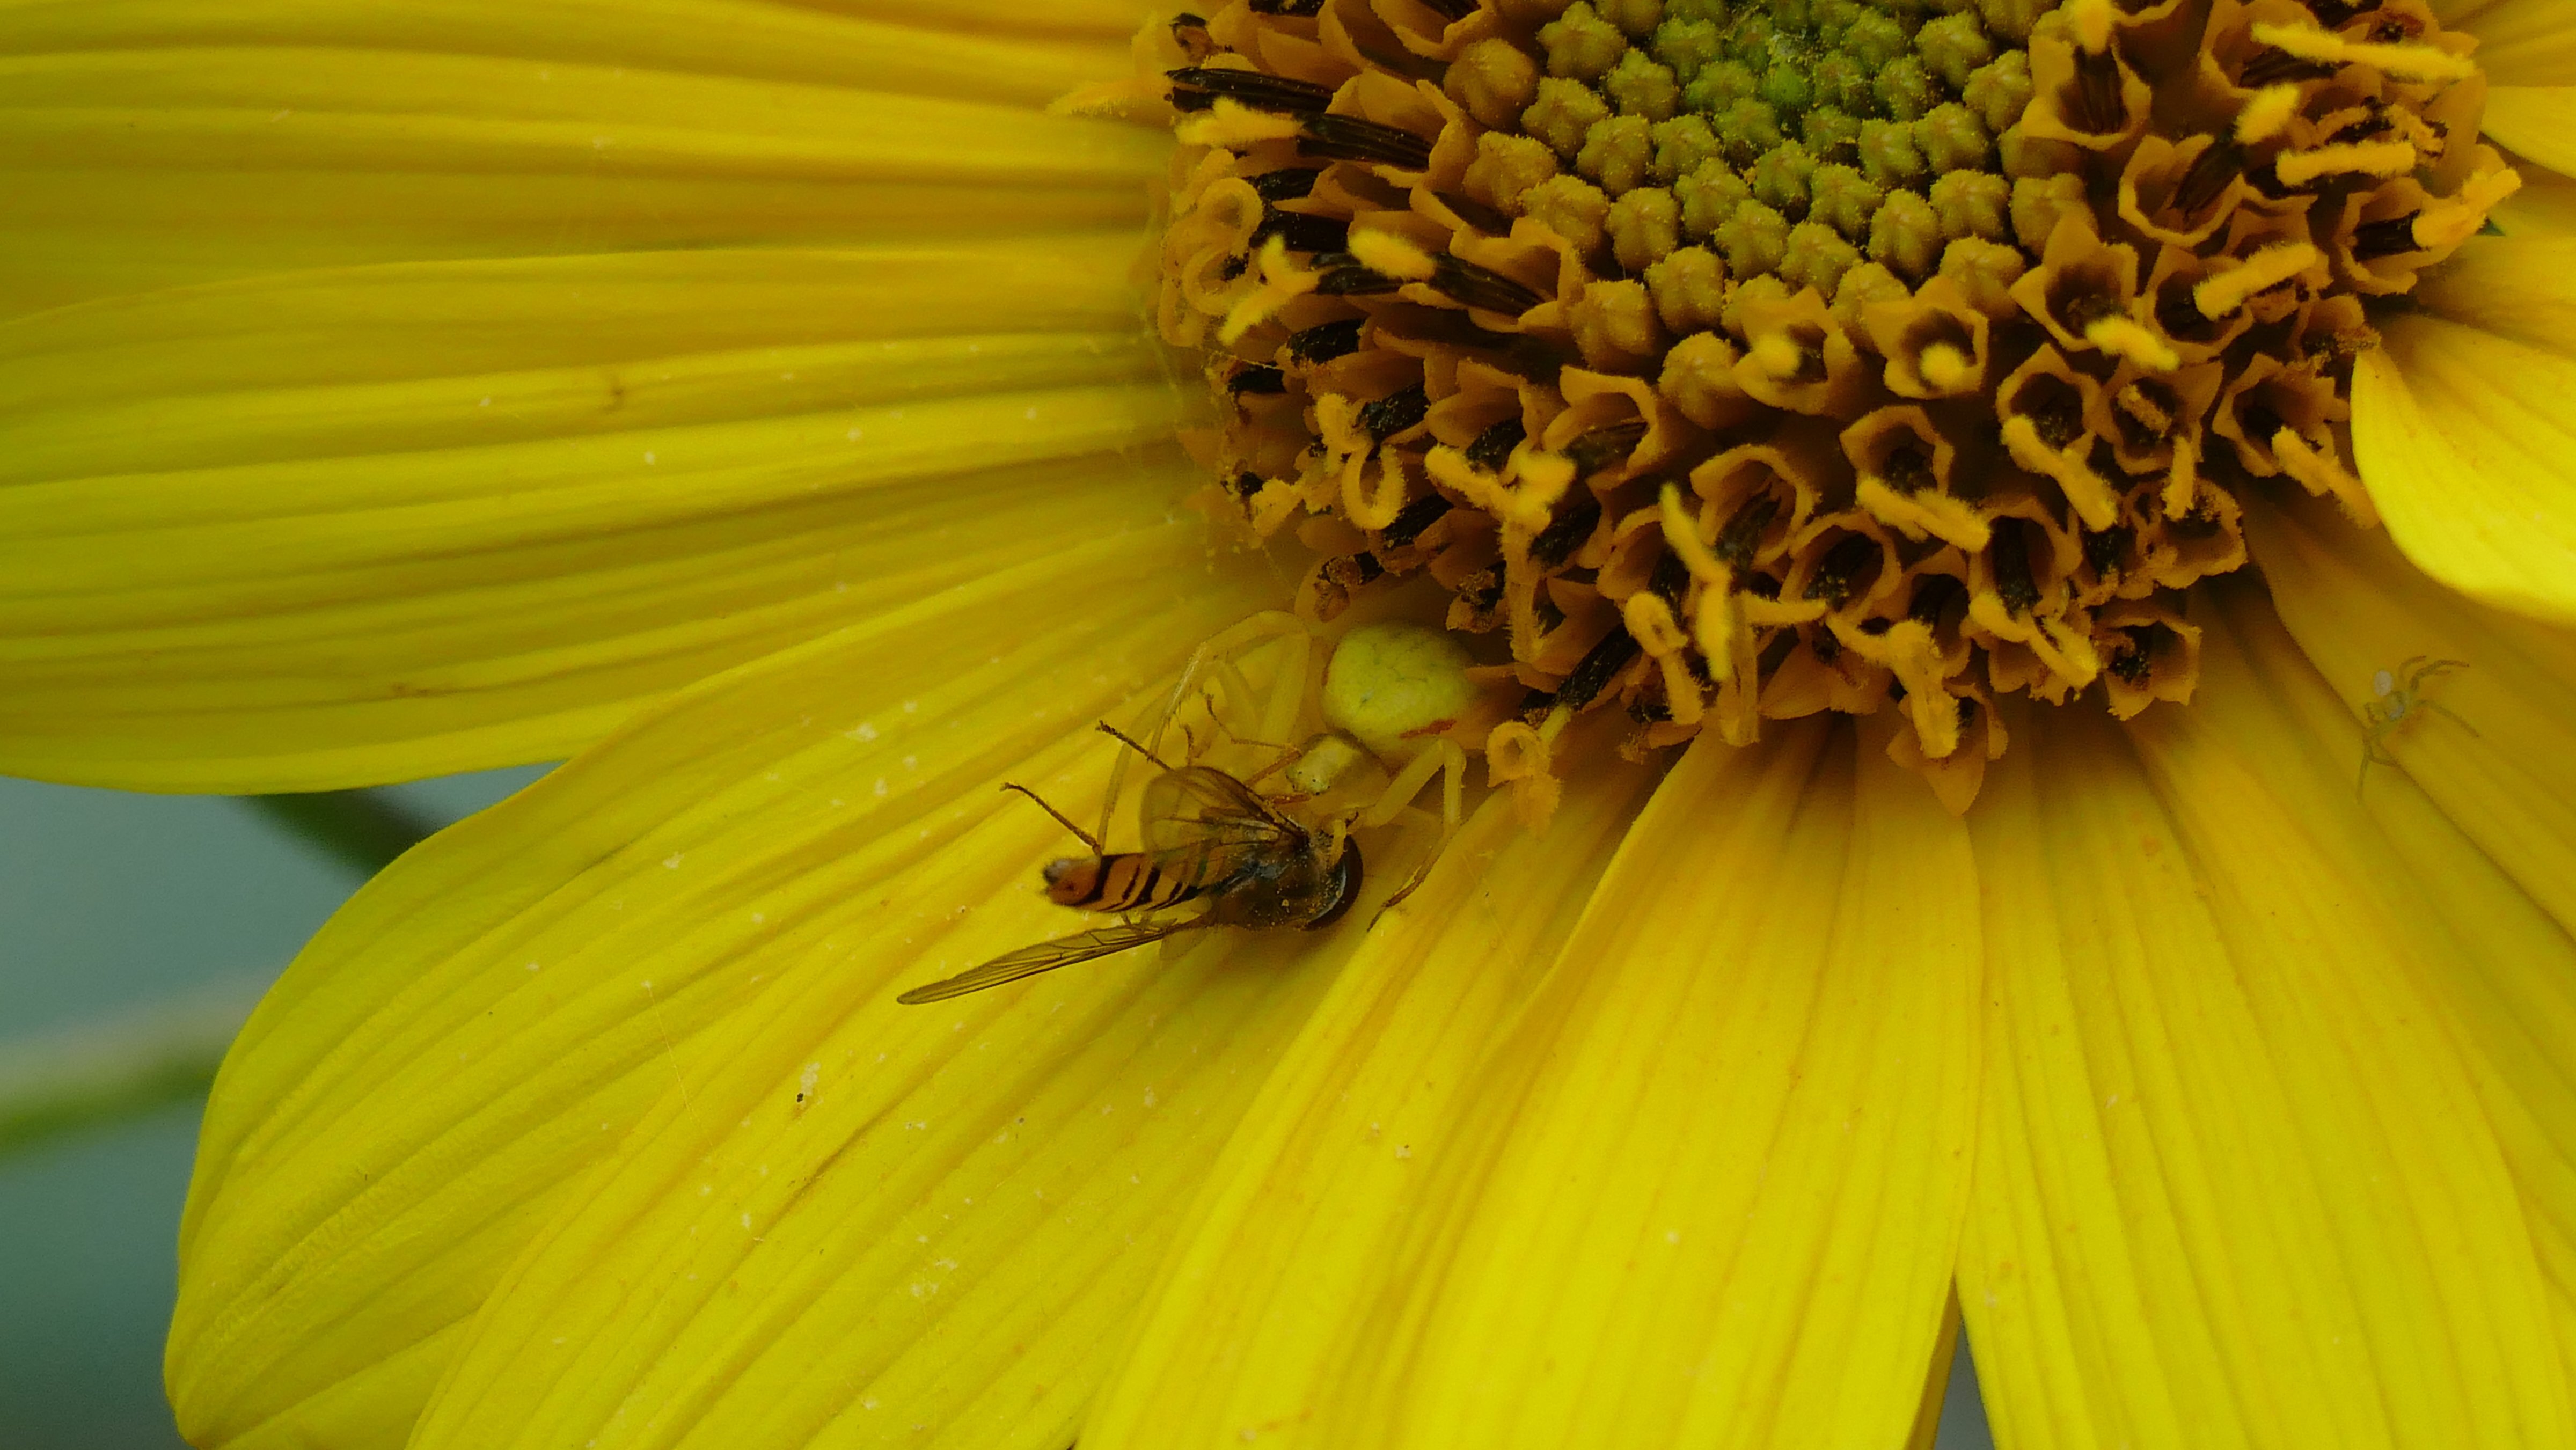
1385	687
2397	697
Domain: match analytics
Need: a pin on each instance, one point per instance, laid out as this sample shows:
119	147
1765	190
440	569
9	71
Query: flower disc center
1739	360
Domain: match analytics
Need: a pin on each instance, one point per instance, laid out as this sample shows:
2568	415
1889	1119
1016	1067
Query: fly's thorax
1732	360
1306	888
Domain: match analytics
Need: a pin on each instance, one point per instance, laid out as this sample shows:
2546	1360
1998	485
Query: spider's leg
2449	714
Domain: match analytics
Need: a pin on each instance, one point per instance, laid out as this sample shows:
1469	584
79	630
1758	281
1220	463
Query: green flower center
1742	359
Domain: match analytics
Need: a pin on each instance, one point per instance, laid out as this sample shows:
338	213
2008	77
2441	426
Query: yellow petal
965	1201
1247	1320
2502	762
2463	432
347	527
145	145
427	1088
2520	42
1708	1192
2498	960
2234	1185
2534	122
2545	207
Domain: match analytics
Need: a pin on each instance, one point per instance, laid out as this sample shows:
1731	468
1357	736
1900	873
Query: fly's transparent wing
1046	956
1201	806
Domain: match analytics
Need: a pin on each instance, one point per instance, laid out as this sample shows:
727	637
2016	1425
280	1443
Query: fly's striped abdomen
1127	881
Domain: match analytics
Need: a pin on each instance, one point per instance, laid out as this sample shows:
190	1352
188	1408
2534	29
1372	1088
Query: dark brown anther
1908	471
1257	89
2259	421
2335	14
1186	101
1598	667
1491	448
1351	571
2058	423
1743	533
1565	533
1325	341
1840	567
1285	7
1257	378
1475	213
2390	238
2200	523
1453	328
1670	578
1234	267
2010	556
1602	447
1823	645
2205	180
2097	109
1394	413
1482	595
2270	67
1412	519
1343	276
1190	33
1247	483
1303	231
1479	286
1348	138
1775	652
1288	183
2105	550
2131	661
1934	595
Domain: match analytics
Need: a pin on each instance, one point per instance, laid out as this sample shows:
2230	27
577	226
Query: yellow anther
2182	480
1517	756
1390	255
2226	291
2321	473
1283	280
1236	126
1681	535
2123	337
1650	622
2091	22
2267	113
2449	223
2406	62
2345	158
1945	368
1779	355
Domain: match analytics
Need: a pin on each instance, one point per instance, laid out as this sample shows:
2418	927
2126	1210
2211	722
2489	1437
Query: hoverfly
1208	837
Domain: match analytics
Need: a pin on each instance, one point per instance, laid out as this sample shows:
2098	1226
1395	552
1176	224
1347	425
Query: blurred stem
364	828
103	1073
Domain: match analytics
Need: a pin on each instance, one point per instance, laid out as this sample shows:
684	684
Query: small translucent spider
1386	691
2398	698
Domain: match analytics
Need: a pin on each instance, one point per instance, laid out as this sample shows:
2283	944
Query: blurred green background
122	914
117	912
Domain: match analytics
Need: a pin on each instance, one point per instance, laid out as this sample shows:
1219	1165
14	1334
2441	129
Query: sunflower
750	402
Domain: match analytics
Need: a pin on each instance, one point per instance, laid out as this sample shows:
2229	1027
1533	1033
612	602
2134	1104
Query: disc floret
1741	359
